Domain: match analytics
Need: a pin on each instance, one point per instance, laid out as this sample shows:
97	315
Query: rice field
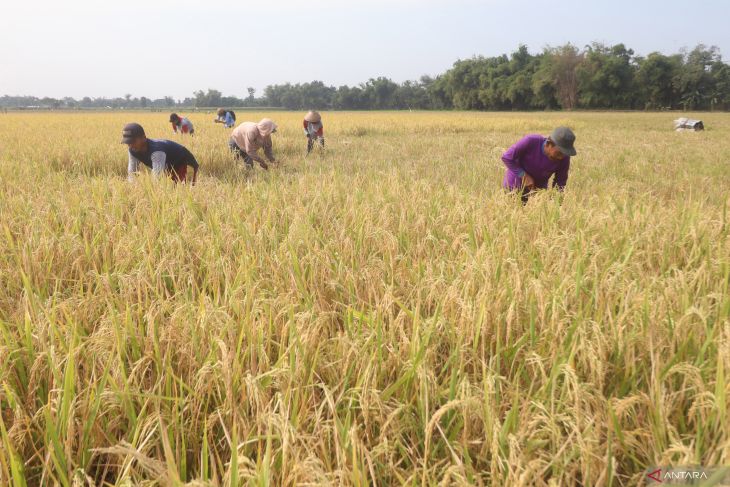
382	314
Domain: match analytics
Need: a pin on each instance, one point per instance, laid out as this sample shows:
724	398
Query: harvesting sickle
158	154
534	159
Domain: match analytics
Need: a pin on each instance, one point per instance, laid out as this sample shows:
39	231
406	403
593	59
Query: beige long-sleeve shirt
251	137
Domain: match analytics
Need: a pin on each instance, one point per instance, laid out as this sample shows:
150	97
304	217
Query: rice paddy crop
382	314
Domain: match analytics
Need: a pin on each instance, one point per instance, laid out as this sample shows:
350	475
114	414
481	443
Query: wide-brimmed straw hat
312	116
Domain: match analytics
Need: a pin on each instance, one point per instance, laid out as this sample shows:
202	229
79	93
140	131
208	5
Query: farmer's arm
174	128
132	167
159	159
512	157
269	149
253	153
305	124
516	176
561	176
194	164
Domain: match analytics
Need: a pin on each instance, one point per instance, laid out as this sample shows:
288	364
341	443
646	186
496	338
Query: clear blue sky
155	48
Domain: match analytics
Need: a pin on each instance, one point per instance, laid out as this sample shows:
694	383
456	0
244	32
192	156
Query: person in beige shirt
249	137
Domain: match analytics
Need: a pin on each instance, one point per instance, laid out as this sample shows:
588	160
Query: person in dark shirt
157	154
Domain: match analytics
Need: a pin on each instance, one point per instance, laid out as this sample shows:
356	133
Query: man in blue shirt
157	154
226	117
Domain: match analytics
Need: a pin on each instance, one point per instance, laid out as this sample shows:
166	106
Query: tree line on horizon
564	77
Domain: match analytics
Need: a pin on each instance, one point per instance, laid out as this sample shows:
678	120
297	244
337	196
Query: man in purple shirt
534	158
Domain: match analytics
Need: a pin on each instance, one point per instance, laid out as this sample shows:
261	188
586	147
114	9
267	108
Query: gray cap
564	138
132	131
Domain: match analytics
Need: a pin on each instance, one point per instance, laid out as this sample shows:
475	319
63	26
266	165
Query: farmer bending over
249	137
182	124
534	158
313	129
157	154
226	117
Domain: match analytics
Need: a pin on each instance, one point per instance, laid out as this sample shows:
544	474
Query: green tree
695	81
210	99
606	77
720	96
655	80
560	65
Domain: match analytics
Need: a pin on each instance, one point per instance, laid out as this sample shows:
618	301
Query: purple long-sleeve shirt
528	155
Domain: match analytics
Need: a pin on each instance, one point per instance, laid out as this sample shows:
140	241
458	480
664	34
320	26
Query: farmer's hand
528	181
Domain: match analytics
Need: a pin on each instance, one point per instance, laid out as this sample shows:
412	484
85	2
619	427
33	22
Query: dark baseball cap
132	131
564	138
